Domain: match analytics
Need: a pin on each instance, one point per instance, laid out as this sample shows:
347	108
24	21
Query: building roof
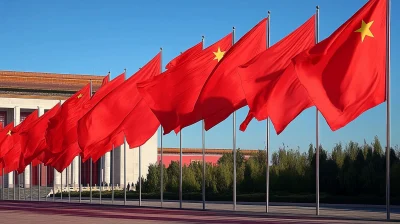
17	84
208	151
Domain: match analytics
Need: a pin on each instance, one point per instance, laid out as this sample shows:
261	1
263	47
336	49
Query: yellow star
364	30
9	133
80	95
219	54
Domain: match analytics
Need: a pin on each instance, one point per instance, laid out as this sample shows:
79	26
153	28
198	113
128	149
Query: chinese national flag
222	94
344	74
108	115
34	138
6	142
185	56
61	132
175	93
12	158
268	83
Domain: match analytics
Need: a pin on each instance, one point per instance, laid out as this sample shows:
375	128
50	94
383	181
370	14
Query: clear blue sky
93	37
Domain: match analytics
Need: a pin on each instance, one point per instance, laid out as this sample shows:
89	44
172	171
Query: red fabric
263	77
108	115
185	56
61	131
174	93
12	158
344	75
106	80
6	142
34	138
222	94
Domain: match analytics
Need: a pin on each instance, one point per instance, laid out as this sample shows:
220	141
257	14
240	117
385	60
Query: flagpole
67	173
3	179
203	146
91	160
45	186
180	168
101	177
161	154
388	131
268	130
317	124
80	177
112	179
61	173
234	142
39	170
30	182
19	189
140	176
125	143
54	185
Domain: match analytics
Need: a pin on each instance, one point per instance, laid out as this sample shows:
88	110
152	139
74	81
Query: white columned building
23	92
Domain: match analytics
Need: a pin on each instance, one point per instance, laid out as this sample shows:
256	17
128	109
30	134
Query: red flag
185	56
175	93
106	79
60	132
35	137
106	117
6	142
265	86
344	74
12	158
222	94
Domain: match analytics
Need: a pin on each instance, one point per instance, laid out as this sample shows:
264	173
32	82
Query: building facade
23	92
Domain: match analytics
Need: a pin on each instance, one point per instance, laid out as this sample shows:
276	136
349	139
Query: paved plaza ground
65	211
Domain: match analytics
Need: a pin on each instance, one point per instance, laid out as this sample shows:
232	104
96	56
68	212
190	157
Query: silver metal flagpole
317	125
140	176
80	177
45	186
180	168
203	147
101	177
91	160
13	173
19	189
30	182
39	170
61	185
54	185
161	153
67	173
268	129
125	143
388	143
234	142
112	173
3	179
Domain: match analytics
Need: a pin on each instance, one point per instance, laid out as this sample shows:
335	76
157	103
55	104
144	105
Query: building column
107	168
57	176
75	171
17	119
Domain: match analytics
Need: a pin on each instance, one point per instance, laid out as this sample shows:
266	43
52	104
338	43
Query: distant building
23	92
196	154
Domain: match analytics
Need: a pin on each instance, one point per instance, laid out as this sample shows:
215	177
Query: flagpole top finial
269	12
202	37
233	28
317	6
160	48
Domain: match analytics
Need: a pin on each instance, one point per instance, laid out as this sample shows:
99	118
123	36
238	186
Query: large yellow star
80	95
364	30
219	54
9	133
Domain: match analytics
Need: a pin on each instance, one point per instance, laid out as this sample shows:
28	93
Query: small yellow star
219	54
80	95
364	30
9	133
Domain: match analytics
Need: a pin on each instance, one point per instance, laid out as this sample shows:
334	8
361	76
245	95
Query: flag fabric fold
185	56
268	80
345	74
174	93
108	115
